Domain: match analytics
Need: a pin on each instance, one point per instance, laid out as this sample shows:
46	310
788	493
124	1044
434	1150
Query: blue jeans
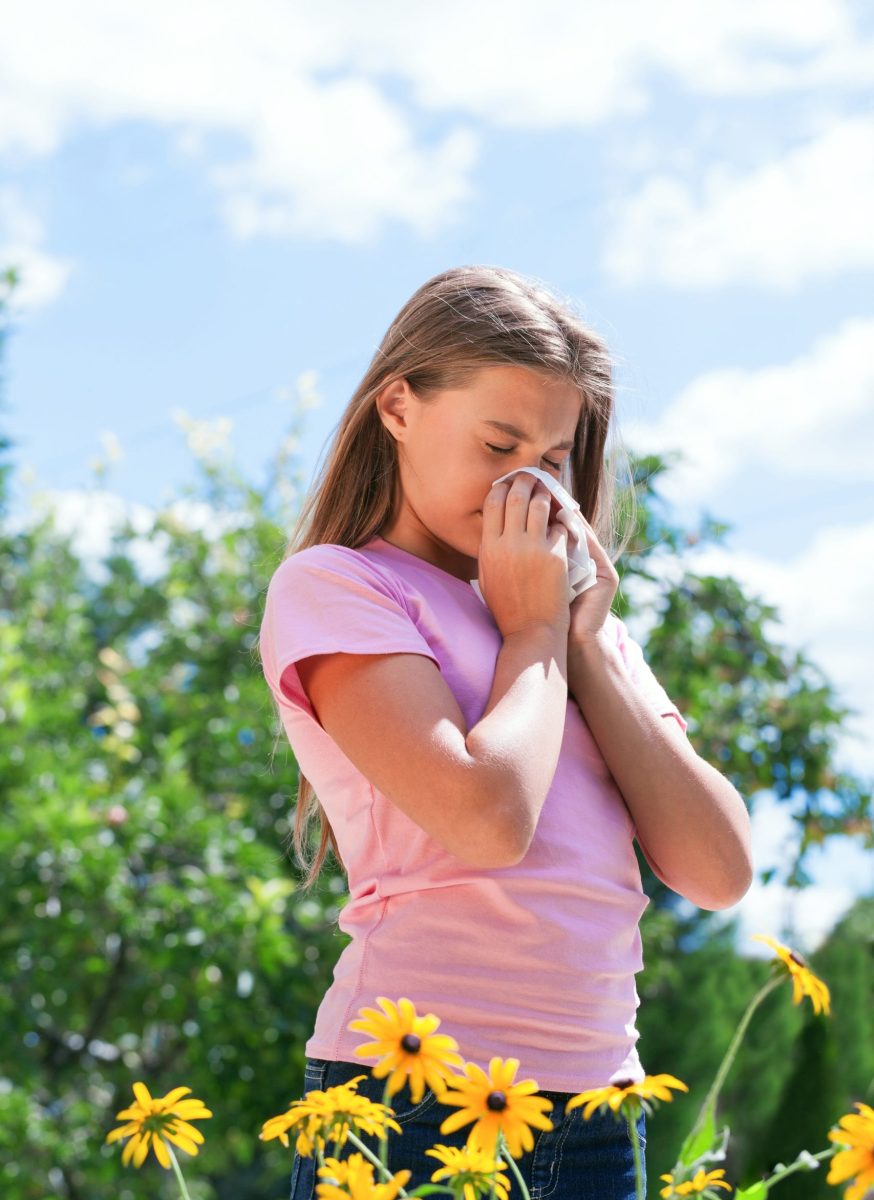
575	1160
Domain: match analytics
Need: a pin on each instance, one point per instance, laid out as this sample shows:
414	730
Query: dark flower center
796	958
411	1043
623	1083
496	1101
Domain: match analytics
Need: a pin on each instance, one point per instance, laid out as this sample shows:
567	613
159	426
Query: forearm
692	825
519	735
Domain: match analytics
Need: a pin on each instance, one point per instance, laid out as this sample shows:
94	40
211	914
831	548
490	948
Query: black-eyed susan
804	982
353	1176
154	1121
409	1047
474	1171
701	1184
496	1105
327	1115
626	1094
856	1162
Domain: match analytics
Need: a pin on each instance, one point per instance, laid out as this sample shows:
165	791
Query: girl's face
450	451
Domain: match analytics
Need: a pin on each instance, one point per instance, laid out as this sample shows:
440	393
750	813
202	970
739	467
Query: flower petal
143	1094
160	1150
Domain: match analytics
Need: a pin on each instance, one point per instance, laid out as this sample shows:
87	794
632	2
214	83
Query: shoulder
331	566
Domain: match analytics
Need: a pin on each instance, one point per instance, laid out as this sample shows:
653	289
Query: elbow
503	840
504	844
519	829
491	857
742	886
730	891
505	827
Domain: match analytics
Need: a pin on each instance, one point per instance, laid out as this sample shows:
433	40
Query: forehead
524	403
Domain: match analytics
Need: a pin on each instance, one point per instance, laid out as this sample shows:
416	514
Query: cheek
463	483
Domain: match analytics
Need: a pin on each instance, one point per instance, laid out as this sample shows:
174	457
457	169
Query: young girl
482	769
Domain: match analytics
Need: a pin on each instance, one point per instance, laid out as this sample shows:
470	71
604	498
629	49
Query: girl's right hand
523	571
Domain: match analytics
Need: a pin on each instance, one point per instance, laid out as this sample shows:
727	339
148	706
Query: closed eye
510	449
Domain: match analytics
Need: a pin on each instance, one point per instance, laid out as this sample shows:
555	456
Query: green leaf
425	1189
758	1191
694	1147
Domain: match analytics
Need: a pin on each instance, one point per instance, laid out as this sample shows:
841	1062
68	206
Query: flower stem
368	1153
383	1141
382	1167
631	1121
501	1150
175	1165
709	1104
798	1166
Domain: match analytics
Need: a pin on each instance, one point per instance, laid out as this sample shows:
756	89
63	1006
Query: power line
167	424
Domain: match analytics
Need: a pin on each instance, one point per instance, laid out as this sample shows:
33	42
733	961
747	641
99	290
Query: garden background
197	276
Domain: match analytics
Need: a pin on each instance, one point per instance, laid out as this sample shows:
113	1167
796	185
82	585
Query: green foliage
686	1028
831	1060
795	1073
811	1103
151	921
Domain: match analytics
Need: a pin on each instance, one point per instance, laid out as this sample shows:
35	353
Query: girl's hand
522	557
589	610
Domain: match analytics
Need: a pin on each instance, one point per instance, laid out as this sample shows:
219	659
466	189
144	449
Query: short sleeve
642	674
328	598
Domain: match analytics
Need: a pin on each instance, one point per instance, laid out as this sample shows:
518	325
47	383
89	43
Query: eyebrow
520	433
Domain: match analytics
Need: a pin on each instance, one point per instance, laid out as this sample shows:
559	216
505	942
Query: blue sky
217	210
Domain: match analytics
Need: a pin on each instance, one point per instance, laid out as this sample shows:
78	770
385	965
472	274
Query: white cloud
811	418
90	518
581	64
304	94
330	157
801	918
42	276
798	216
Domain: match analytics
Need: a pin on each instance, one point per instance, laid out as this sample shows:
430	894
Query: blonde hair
458	322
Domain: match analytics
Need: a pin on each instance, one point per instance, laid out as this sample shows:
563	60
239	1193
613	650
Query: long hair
458	322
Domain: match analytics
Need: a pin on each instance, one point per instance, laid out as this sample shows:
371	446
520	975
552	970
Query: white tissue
582	572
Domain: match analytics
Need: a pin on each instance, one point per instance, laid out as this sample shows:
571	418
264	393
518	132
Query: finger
518	497
493	509
556	532
539	508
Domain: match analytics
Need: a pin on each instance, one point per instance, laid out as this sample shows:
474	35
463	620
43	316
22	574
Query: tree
154	925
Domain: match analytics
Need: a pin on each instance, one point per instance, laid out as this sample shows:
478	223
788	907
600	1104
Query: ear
392	405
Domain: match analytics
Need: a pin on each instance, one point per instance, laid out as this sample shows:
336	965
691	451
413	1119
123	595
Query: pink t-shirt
535	961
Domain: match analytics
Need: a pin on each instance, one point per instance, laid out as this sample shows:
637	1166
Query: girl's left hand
589	610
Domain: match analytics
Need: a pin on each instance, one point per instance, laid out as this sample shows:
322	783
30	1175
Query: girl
483	768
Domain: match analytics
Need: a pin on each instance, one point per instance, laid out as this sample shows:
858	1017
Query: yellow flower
475	1171
697	1185
804	982
622	1094
353	1176
409	1047
857	1134
496	1104
152	1119
328	1115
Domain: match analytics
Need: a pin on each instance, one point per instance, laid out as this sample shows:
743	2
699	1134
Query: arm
478	792
689	818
